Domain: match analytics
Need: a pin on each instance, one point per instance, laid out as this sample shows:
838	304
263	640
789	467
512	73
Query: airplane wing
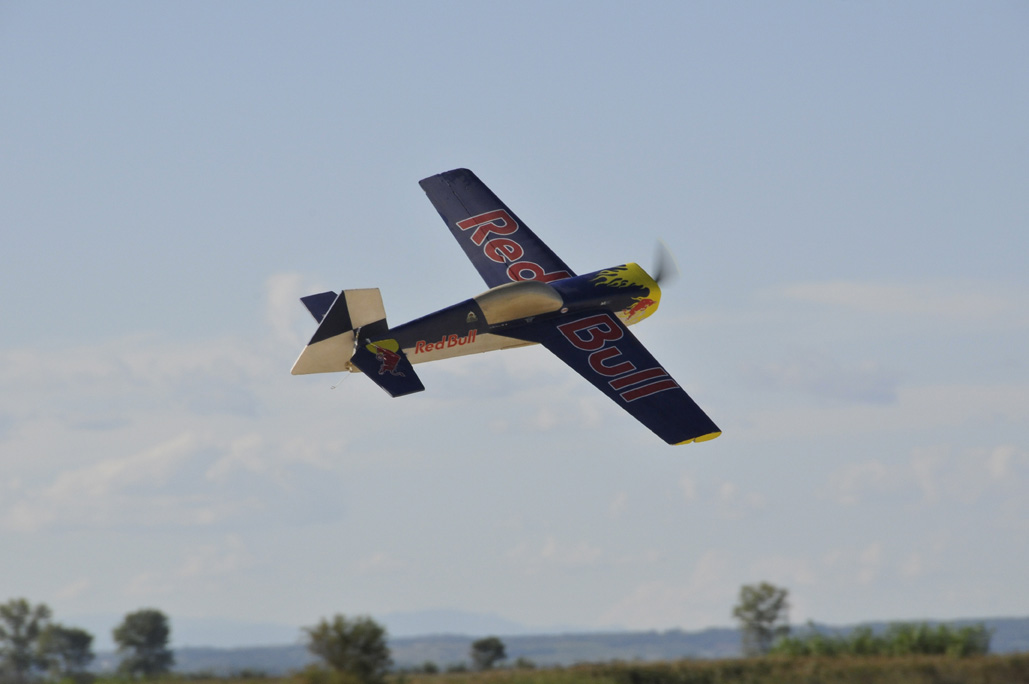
600	348
499	245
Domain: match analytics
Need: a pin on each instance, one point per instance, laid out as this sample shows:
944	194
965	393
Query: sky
845	186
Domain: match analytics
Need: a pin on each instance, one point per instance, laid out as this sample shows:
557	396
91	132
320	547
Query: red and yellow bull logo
632	276
387	354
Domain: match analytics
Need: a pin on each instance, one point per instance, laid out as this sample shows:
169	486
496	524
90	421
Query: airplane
533	298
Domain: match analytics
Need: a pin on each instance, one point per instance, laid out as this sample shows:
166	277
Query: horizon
225	633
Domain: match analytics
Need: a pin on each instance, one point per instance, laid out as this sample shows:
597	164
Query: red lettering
639	377
503	249
598	357
497	221
646	390
600	328
517	272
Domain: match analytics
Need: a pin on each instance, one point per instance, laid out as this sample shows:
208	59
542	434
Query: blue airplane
533	298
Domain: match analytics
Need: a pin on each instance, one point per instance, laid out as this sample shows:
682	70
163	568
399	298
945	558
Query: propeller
665	268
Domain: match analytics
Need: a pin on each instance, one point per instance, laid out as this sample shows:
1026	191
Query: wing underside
601	349
496	241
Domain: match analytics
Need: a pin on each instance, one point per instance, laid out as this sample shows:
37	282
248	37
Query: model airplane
533	298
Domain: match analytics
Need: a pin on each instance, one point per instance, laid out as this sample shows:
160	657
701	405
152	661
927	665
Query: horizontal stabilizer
386	364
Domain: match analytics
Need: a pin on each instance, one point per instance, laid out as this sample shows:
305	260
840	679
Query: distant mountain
1009	635
444	621
237	634
187	632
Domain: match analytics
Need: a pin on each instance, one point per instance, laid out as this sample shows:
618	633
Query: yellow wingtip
703	438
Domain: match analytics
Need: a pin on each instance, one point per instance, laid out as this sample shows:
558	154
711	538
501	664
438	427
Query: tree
353	647
142	638
68	651
486	652
20	627
763	613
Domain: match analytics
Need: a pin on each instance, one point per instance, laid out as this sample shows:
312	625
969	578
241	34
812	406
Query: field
998	669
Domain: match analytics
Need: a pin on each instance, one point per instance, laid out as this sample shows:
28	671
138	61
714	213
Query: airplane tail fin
350	337
339	316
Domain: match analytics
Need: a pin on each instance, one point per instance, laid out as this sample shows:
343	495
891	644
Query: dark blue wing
499	245
601	349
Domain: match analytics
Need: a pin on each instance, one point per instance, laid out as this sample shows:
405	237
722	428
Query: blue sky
844	186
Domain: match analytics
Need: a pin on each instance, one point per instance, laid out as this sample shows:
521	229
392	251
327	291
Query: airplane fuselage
490	320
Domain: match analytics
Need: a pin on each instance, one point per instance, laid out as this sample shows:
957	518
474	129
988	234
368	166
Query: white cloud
379	562
110	477
534	557
700	600
285	313
913	565
939	299
854	480
688	484
618	504
870	562
816	374
916	408
938	475
211	560
73	590
783	570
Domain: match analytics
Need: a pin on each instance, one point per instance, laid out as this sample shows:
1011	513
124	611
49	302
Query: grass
995	669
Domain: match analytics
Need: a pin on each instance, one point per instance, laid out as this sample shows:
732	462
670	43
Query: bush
900	639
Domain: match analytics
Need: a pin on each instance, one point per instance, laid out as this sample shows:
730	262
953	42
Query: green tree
354	647
763	614
486	652
142	639
21	625
68	651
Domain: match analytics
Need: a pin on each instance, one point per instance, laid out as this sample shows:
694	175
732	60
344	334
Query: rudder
332	345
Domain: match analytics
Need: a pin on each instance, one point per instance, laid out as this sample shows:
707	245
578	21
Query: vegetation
901	639
1012	669
21	625
763	614
67	651
485	653
31	645
355	649
142	639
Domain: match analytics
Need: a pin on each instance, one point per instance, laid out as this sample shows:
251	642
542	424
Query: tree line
763	614
33	646
355	650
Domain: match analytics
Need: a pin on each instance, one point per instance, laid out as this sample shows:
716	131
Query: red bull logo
598	335
388	358
445	342
641	305
505	248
